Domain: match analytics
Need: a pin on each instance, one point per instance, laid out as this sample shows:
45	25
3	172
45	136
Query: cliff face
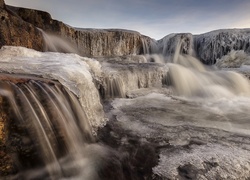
90	42
108	42
16	32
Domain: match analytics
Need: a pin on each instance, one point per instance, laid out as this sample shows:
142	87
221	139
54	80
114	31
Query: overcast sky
154	18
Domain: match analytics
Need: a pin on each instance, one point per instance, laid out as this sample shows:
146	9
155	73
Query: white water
55	43
55	121
221	94
120	79
192	79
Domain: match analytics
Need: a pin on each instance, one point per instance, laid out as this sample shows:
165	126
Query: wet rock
110	42
139	155
1	3
6	162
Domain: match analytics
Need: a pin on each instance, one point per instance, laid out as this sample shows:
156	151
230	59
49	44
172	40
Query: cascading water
218	91
55	121
120	79
55	43
192	79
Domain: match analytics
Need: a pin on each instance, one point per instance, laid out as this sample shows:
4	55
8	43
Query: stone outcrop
16	32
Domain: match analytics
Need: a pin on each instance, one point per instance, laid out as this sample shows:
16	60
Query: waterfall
149	46
191	78
55	43
120	79
145	46
54	122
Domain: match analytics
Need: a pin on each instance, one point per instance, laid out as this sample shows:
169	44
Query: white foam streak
55	43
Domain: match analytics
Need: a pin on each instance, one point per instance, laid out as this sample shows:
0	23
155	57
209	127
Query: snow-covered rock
215	44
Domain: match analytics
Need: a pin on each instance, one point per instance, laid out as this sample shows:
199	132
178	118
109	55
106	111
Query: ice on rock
215	44
69	69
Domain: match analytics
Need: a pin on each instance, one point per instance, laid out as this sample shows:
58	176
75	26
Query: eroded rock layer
90	42
14	31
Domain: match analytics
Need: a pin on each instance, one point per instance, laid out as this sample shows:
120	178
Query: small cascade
120	79
54	43
149	46
145	46
156	58
113	87
169	44
56	110
55	127
154	47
